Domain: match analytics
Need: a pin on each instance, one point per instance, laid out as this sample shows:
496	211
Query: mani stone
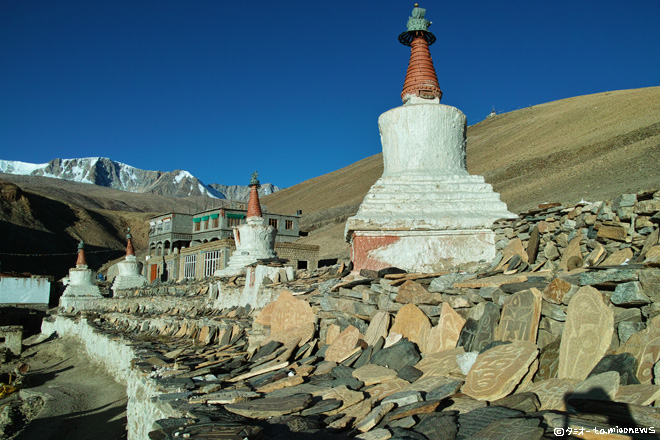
629	294
603	386
511	429
438	426
475	335
412	292
552	392
650	281
587	334
555	291
446	333
638	394
520	317
533	245
497	371
271	406
343	346
398	356
372	374
413	324
572	250
549	361
443	363
378	327
474	421
624	364
645	347
618	258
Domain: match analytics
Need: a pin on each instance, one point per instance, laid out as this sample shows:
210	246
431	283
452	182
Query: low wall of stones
116	356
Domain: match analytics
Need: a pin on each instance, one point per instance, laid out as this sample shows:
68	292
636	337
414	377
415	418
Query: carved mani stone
587	334
343	345
476	335
413	324
645	347
446	333
497	371
520	317
378	327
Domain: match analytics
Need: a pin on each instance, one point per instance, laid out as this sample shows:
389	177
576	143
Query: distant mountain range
105	172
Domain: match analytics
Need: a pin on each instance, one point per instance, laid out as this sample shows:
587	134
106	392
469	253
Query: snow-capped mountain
242	192
109	173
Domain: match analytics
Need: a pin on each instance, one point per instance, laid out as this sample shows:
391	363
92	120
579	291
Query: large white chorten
129	276
426	212
81	288
255	240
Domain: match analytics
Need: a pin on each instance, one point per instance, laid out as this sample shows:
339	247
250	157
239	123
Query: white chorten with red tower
426	212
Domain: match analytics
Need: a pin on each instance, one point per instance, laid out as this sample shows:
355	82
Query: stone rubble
560	329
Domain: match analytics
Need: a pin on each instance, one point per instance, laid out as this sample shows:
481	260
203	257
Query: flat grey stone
511	429
402	354
437	426
608	275
625	364
626	329
410	373
444	391
474	421
403	398
526	402
629	294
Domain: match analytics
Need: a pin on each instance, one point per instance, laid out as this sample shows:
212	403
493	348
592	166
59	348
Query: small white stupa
81	288
129	276
426	212
255	240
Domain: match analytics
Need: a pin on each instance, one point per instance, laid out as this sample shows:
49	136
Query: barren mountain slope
593	147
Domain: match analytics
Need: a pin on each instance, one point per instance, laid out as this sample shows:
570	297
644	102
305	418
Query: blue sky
292	89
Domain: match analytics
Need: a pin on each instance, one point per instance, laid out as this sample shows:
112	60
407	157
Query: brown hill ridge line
591	147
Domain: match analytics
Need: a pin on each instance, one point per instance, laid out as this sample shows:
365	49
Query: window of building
233	221
216	222
211	262
190	266
273	222
167	226
288	224
206	224
198	226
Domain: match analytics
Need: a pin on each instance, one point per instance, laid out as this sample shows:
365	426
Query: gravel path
82	400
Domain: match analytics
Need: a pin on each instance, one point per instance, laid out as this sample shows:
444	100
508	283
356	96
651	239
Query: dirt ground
80	400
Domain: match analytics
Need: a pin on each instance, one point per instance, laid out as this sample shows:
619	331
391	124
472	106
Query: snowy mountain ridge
103	171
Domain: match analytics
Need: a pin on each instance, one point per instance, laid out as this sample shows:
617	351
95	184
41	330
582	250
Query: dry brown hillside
592	147
42	219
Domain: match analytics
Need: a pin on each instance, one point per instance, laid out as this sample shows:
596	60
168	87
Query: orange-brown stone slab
413	324
497	371
587	334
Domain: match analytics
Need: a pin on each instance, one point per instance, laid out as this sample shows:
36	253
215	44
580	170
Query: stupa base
421	251
80	302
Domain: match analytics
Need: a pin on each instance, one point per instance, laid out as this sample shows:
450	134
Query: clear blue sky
292	89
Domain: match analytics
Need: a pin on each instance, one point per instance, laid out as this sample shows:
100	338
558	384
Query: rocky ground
560	334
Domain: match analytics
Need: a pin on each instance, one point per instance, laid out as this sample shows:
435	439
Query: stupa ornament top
426	212
421	80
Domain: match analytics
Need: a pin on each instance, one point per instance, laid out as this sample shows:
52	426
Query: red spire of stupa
421	79
129	244
81	261
254	208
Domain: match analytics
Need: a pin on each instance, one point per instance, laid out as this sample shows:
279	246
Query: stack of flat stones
509	349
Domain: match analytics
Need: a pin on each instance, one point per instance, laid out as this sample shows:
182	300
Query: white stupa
129	276
255	240
81	290
426	212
